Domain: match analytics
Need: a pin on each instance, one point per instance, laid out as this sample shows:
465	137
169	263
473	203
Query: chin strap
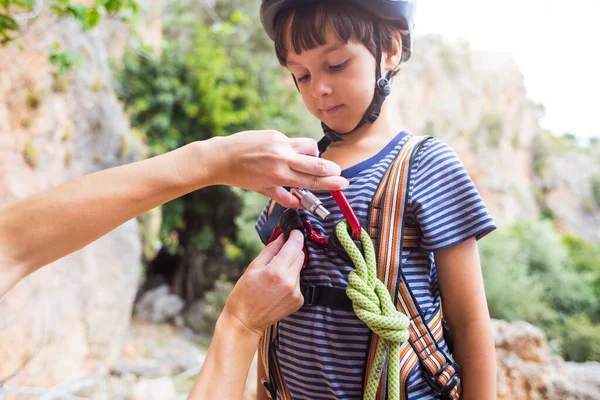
383	88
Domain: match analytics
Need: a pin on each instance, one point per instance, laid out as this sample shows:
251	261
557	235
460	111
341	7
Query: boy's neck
364	142
374	135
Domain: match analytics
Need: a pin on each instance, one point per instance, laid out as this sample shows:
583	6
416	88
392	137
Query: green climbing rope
373	305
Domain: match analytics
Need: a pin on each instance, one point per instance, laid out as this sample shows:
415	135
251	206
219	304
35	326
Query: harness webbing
386	228
402	338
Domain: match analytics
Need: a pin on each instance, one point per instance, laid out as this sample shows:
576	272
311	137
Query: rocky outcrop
528	371
53	128
477	102
569	181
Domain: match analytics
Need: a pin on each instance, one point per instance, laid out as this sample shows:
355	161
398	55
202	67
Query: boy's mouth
332	109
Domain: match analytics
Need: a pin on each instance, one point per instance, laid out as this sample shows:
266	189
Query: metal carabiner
311	203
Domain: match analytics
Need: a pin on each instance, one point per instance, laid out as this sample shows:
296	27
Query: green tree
512	292
585	257
542	249
532	272
578	338
215	85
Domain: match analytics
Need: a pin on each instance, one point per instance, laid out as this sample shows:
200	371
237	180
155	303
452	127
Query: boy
342	56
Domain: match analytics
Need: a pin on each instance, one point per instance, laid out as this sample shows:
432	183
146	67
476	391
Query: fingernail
298	235
346	184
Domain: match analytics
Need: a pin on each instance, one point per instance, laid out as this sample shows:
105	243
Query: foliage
209	80
213	88
578	338
88	16
14	15
62	60
596	190
31	155
585	257
215	302
448	58
33	99
531	272
512	291
429	128
542	149
248	242
492	127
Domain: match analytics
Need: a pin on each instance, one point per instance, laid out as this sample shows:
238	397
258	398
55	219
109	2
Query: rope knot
373	305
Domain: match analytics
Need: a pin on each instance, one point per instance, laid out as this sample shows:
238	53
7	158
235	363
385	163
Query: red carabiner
348	212
311	203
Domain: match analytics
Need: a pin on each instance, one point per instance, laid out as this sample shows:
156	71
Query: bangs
305	27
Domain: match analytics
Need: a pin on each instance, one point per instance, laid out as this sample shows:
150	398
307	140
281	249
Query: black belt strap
325	296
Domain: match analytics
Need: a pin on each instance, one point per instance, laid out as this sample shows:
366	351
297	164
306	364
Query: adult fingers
289	252
267	254
305	146
296	266
313	165
311	182
283	197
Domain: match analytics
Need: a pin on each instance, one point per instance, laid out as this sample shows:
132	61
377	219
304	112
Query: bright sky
555	43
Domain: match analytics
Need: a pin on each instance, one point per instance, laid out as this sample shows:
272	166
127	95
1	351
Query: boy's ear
392	58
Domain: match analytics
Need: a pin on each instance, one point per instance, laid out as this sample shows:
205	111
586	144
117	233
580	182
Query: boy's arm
465	310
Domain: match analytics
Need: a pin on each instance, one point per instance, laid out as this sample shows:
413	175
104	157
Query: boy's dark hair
307	25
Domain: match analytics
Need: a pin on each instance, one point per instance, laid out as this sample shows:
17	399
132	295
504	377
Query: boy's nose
320	88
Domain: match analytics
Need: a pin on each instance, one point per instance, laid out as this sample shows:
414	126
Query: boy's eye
339	67
304	78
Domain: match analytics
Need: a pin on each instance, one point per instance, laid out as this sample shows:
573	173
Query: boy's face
336	81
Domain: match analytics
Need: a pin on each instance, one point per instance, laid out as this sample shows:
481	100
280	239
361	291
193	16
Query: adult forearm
476	355
53	224
224	372
46	227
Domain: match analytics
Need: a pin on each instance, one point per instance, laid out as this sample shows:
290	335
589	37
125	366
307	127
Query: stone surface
159	305
160	388
477	102
73	314
527	370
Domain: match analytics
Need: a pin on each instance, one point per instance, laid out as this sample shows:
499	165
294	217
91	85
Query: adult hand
265	161
269	290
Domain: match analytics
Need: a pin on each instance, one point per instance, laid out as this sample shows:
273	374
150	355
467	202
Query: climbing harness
377	291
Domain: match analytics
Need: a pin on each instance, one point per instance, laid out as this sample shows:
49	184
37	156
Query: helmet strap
383	88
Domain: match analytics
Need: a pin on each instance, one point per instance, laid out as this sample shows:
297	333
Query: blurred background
88	85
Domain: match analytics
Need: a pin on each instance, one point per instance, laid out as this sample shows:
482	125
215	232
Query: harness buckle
434	383
310	294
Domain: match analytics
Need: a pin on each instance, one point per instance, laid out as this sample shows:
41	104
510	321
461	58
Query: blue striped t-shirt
322	351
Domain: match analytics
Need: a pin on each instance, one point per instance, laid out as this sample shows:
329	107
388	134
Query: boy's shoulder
435	159
434	149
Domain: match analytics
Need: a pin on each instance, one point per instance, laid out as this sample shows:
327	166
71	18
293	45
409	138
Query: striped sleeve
262	218
445	201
